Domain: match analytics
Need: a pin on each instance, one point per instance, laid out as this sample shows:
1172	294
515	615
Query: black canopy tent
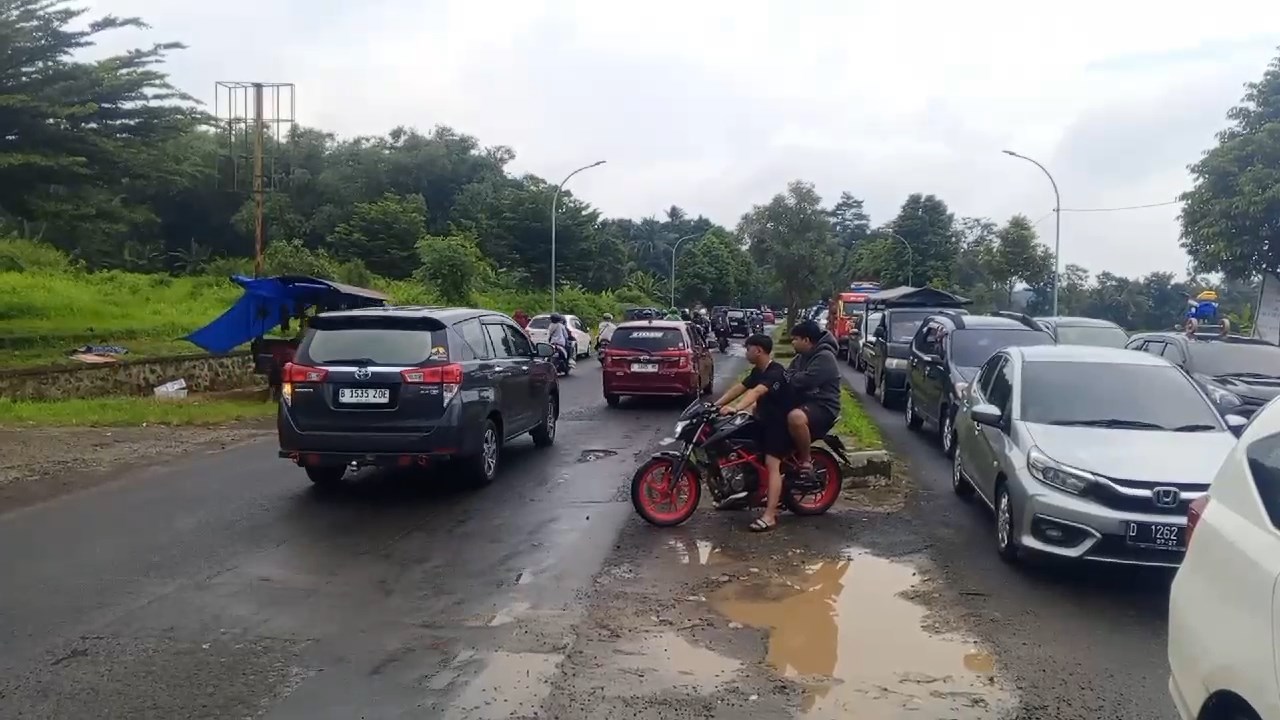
907	296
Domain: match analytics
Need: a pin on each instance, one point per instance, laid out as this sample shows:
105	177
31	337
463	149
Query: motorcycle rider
814	380
558	336
672	314
605	332
765	388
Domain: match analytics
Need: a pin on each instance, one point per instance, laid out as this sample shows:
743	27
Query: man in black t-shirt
766	389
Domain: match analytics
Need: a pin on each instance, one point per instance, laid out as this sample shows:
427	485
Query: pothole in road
593	455
697	552
840	631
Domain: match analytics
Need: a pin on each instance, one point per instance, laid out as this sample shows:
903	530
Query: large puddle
840	630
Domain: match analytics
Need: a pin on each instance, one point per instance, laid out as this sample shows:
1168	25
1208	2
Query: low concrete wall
203	373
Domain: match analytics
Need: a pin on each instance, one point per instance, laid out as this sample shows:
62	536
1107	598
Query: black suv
739	322
946	353
885	353
1240	374
406	386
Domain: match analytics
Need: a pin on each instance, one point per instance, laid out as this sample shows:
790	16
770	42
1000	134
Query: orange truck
846	315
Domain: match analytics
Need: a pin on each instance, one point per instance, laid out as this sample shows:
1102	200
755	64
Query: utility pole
259	193
675	247
1057	224
555	199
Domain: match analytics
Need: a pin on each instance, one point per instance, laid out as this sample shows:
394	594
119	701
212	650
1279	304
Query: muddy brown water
841	630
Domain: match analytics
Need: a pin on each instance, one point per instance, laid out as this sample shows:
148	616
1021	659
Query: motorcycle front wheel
660	499
827	472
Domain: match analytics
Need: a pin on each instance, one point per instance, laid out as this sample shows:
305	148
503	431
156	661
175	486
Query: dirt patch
878	493
38	464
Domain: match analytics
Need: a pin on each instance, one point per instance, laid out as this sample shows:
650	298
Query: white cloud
714	106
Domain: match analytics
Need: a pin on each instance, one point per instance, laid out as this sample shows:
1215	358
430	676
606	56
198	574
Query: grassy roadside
131	411
855	426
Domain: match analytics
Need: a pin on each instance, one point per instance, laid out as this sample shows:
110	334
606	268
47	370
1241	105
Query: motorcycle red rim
824	466
656	490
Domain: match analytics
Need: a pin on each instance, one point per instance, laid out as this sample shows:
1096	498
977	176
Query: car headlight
895	363
1051	472
1222	398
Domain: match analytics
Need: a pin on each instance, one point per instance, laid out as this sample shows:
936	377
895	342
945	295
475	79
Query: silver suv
1088	452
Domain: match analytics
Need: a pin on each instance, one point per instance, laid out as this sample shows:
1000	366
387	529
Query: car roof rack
1023	318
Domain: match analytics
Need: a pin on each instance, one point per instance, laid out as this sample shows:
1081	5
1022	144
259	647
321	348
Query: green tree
929	229
383	234
452	266
1229	216
1017	257
850	226
791	235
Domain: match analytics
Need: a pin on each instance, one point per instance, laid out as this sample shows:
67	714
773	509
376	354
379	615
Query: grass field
856	425
131	411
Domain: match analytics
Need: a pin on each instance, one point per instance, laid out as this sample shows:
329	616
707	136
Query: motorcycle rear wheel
825	468
649	479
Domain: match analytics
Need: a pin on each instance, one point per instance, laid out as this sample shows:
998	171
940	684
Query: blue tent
267	301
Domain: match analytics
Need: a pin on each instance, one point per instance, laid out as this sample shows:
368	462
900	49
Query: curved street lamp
673	265
910	254
555	199
1057	223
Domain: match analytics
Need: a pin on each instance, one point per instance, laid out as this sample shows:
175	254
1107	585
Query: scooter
601	346
561	361
722	342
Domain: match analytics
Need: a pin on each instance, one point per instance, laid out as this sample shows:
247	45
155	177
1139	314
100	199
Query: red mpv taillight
1195	512
435	374
295	373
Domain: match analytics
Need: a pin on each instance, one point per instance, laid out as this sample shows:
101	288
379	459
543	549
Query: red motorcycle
722	453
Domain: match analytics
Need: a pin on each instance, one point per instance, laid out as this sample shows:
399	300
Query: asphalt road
223	585
1079	641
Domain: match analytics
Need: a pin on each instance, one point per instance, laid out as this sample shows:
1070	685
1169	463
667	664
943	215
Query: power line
1115	209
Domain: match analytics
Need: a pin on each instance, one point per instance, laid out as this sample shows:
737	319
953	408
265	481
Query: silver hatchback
1088	452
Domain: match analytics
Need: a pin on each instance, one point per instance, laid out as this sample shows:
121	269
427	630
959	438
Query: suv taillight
1195	511
295	373
434	375
686	360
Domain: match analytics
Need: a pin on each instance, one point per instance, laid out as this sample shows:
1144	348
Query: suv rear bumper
447	438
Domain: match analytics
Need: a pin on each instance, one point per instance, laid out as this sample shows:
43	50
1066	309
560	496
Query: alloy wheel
490	451
1004	520
948	433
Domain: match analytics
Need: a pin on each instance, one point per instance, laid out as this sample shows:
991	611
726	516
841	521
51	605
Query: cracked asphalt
221	585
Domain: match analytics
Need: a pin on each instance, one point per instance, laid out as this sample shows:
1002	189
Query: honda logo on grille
363	374
1166	496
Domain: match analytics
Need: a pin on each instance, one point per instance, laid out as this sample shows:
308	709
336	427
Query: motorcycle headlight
1222	398
1053	473
680	426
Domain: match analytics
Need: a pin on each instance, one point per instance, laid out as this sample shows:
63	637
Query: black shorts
821	420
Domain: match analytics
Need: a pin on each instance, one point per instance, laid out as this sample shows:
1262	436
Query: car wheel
482	467
868	384
545	434
326	475
947	431
914	421
1006	545
961	486
882	395
613	400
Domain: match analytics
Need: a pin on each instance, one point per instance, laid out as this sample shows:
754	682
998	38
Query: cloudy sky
714	106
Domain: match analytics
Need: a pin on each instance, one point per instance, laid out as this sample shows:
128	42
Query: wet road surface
223	585
1078	641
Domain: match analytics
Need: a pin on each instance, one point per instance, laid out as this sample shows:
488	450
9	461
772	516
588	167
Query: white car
1224	610
538	332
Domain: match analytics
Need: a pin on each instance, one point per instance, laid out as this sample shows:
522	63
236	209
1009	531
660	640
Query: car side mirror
879	333
545	350
989	415
1235	423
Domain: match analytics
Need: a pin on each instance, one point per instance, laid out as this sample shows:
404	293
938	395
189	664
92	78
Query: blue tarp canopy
268	301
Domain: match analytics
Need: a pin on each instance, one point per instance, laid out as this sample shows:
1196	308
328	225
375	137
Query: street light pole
555	199
910	255
673	265
1057	224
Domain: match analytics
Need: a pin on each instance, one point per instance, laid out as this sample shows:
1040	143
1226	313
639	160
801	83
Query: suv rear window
1263	456
735	314
373	340
540	323
971	348
648	339
904	323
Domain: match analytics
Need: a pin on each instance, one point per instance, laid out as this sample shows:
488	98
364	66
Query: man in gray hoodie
814	380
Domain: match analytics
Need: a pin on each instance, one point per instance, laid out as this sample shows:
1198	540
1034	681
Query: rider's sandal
760	525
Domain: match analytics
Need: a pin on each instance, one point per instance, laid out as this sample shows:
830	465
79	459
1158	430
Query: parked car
769	317
657	358
1223	609
408	386
1240	374
904	309
1087	452
581	337
1084	331
945	356
862	354
739	324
